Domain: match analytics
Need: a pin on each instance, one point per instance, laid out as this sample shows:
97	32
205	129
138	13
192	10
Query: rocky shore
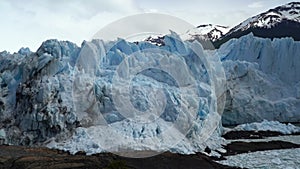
18	157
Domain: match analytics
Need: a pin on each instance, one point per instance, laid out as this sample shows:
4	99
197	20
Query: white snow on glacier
137	138
268	126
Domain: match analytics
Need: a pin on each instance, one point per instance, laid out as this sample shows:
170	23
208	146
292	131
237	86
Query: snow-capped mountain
269	19
206	32
282	21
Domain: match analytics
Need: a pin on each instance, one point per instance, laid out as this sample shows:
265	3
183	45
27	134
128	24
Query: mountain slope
282	21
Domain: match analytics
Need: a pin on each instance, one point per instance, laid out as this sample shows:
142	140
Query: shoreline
16	157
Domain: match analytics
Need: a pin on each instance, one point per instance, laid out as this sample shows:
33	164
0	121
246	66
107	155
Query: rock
239	147
232	135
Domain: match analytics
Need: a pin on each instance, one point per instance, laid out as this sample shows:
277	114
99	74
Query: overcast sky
27	23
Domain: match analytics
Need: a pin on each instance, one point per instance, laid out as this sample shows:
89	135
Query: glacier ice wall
63	89
263	79
37	90
169	130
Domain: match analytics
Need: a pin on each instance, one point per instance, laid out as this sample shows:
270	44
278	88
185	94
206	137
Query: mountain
282	21
289	12
206	32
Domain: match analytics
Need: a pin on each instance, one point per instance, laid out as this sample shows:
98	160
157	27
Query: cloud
29	23
258	4
139	26
78	8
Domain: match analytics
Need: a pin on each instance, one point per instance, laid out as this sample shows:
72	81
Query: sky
27	23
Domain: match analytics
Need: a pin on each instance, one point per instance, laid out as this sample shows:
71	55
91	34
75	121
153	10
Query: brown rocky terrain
21	157
18	157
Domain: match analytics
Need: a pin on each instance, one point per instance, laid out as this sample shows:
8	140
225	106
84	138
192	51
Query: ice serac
263	79
36	92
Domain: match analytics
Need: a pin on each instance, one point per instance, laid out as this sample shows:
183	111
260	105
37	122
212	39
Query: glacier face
279	57
157	79
36	92
41	92
263	79
63	89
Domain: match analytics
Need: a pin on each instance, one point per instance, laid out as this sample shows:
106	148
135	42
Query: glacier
64	96
42	93
262	80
